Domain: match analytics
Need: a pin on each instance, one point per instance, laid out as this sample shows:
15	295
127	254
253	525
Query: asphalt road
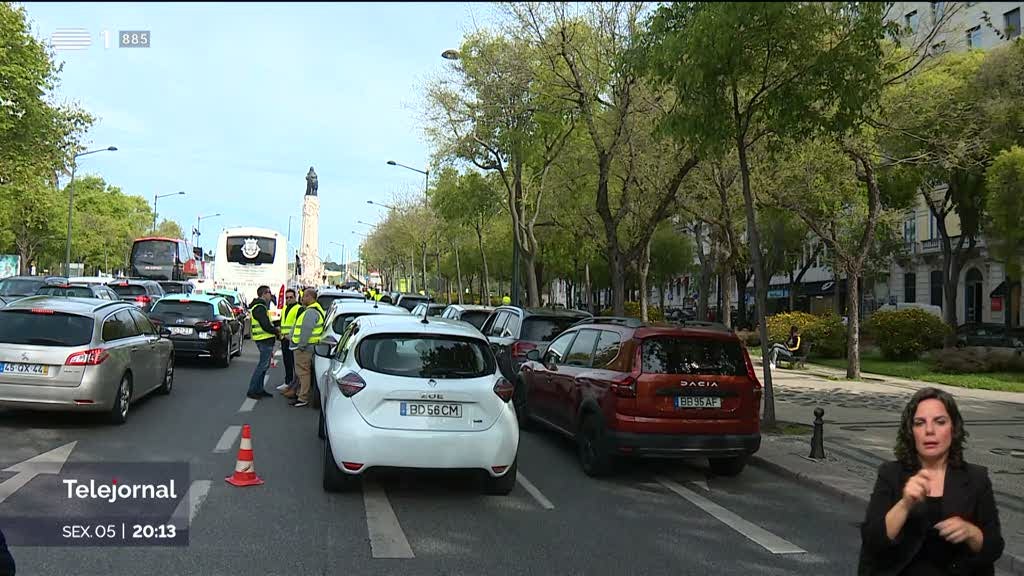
652	518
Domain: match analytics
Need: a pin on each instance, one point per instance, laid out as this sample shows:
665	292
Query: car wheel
502	485
728	466
320	426
334	479
238	352
592	446
519	401
122	401
225	360
168	383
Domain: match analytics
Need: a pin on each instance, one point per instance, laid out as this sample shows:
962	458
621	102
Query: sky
232	104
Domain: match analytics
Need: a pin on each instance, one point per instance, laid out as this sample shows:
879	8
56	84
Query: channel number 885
135	39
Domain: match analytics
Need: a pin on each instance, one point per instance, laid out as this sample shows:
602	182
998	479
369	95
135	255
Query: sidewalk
861	419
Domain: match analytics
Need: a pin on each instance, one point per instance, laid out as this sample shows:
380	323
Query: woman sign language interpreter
931	513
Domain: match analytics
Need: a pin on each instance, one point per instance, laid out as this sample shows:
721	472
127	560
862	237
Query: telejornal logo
114	491
251	248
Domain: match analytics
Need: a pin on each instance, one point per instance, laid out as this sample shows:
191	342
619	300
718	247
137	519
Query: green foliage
1006	181
905	334
654	314
979	360
827	334
671	255
169	229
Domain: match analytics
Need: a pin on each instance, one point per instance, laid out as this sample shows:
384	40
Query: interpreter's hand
916	488
956	529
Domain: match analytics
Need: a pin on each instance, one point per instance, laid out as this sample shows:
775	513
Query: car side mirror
323	350
165	333
533	355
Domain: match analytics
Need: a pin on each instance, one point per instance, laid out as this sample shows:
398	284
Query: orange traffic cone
245	469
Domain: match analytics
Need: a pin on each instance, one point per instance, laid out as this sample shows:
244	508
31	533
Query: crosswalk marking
758	535
227	440
387	540
190	503
248	405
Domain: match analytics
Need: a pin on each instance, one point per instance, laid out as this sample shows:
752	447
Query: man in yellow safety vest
289	317
265	335
309	327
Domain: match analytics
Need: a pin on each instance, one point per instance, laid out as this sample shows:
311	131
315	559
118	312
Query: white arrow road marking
46	463
764	538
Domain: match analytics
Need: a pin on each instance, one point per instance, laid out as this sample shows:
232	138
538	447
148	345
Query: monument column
312	269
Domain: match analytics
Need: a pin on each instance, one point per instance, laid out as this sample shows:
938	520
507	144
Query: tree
30	216
749	72
673	255
169	229
1005	180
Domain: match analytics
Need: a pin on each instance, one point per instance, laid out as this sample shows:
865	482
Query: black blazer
6	560
967	493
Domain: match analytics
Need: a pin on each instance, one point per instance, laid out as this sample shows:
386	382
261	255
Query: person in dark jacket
931	513
788	350
7	567
265	334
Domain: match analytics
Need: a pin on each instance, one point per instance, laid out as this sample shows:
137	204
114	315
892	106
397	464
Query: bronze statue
311	182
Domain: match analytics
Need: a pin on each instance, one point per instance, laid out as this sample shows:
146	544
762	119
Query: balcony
932	246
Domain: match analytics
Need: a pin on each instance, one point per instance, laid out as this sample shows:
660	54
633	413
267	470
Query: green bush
752	339
654	314
826	333
977	360
905	334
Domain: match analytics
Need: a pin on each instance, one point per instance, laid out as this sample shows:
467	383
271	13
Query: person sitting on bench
787	351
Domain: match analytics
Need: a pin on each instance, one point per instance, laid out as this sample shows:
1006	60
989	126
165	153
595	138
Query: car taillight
752	374
624	389
350	384
237	310
503	388
41	311
211	326
519	349
88	358
143	299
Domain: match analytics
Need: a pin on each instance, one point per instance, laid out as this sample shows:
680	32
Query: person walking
265	335
306	334
7	565
788	350
289	317
931	513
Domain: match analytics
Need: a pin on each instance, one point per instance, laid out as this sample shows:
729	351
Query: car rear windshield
682	355
409	303
251	250
44	328
155	252
231	299
475	318
190	309
129	290
419	356
545	328
19	286
72	291
172	288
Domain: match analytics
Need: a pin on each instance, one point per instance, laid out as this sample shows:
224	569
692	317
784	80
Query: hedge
977	360
905	334
826	334
654	314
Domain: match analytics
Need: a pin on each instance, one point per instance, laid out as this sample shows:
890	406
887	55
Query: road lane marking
758	535
49	462
387	540
540	498
227	440
248	405
701	484
190	503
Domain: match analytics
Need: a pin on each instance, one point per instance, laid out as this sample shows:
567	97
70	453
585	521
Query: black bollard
818	440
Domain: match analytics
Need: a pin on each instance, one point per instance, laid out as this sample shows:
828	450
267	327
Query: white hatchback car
407	394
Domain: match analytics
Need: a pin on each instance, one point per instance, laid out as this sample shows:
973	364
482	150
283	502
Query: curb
1009	562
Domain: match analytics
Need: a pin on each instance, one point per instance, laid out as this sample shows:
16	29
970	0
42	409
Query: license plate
24	369
431	409
698	402
180	330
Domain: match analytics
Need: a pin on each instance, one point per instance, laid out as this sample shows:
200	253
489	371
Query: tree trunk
792	291
645	267
853	325
412	273
661	298
458	271
726	310
760	282
485	287
742	279
590	289
837	294
618	278
532	295
423	271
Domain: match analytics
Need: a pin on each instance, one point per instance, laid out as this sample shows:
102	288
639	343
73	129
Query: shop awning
1001	289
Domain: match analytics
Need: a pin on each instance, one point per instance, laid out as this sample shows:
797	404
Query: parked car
81	355
176	286
239	307
431	310
471	313
76	290
327	296
513	331
412	395
142	293
201	326
15	287
409	301
991	335
620	387
341	313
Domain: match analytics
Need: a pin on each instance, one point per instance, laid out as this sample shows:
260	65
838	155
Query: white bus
247	258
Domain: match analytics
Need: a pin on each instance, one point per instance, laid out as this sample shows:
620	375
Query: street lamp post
71	203
426	175
199	220
344	262
155	198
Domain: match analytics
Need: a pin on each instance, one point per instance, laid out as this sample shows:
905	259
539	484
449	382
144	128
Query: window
705	356
911	20
474	317
225	310
20	286
910	230
512	328
1011	23
556	351
974	38
178	309
932	225
938	10
145	327
128	290
607	348
347	341
499	324
910	287
426	356
935	280
44	328
582	351
70	291
541	329
251	250
119	326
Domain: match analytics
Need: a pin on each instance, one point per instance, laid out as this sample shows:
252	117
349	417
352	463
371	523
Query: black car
142	293
513	331
474	314
200	325
79	290
989	335
176	286
17	287
410	301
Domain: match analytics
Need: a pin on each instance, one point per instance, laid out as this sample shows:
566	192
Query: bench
798	360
